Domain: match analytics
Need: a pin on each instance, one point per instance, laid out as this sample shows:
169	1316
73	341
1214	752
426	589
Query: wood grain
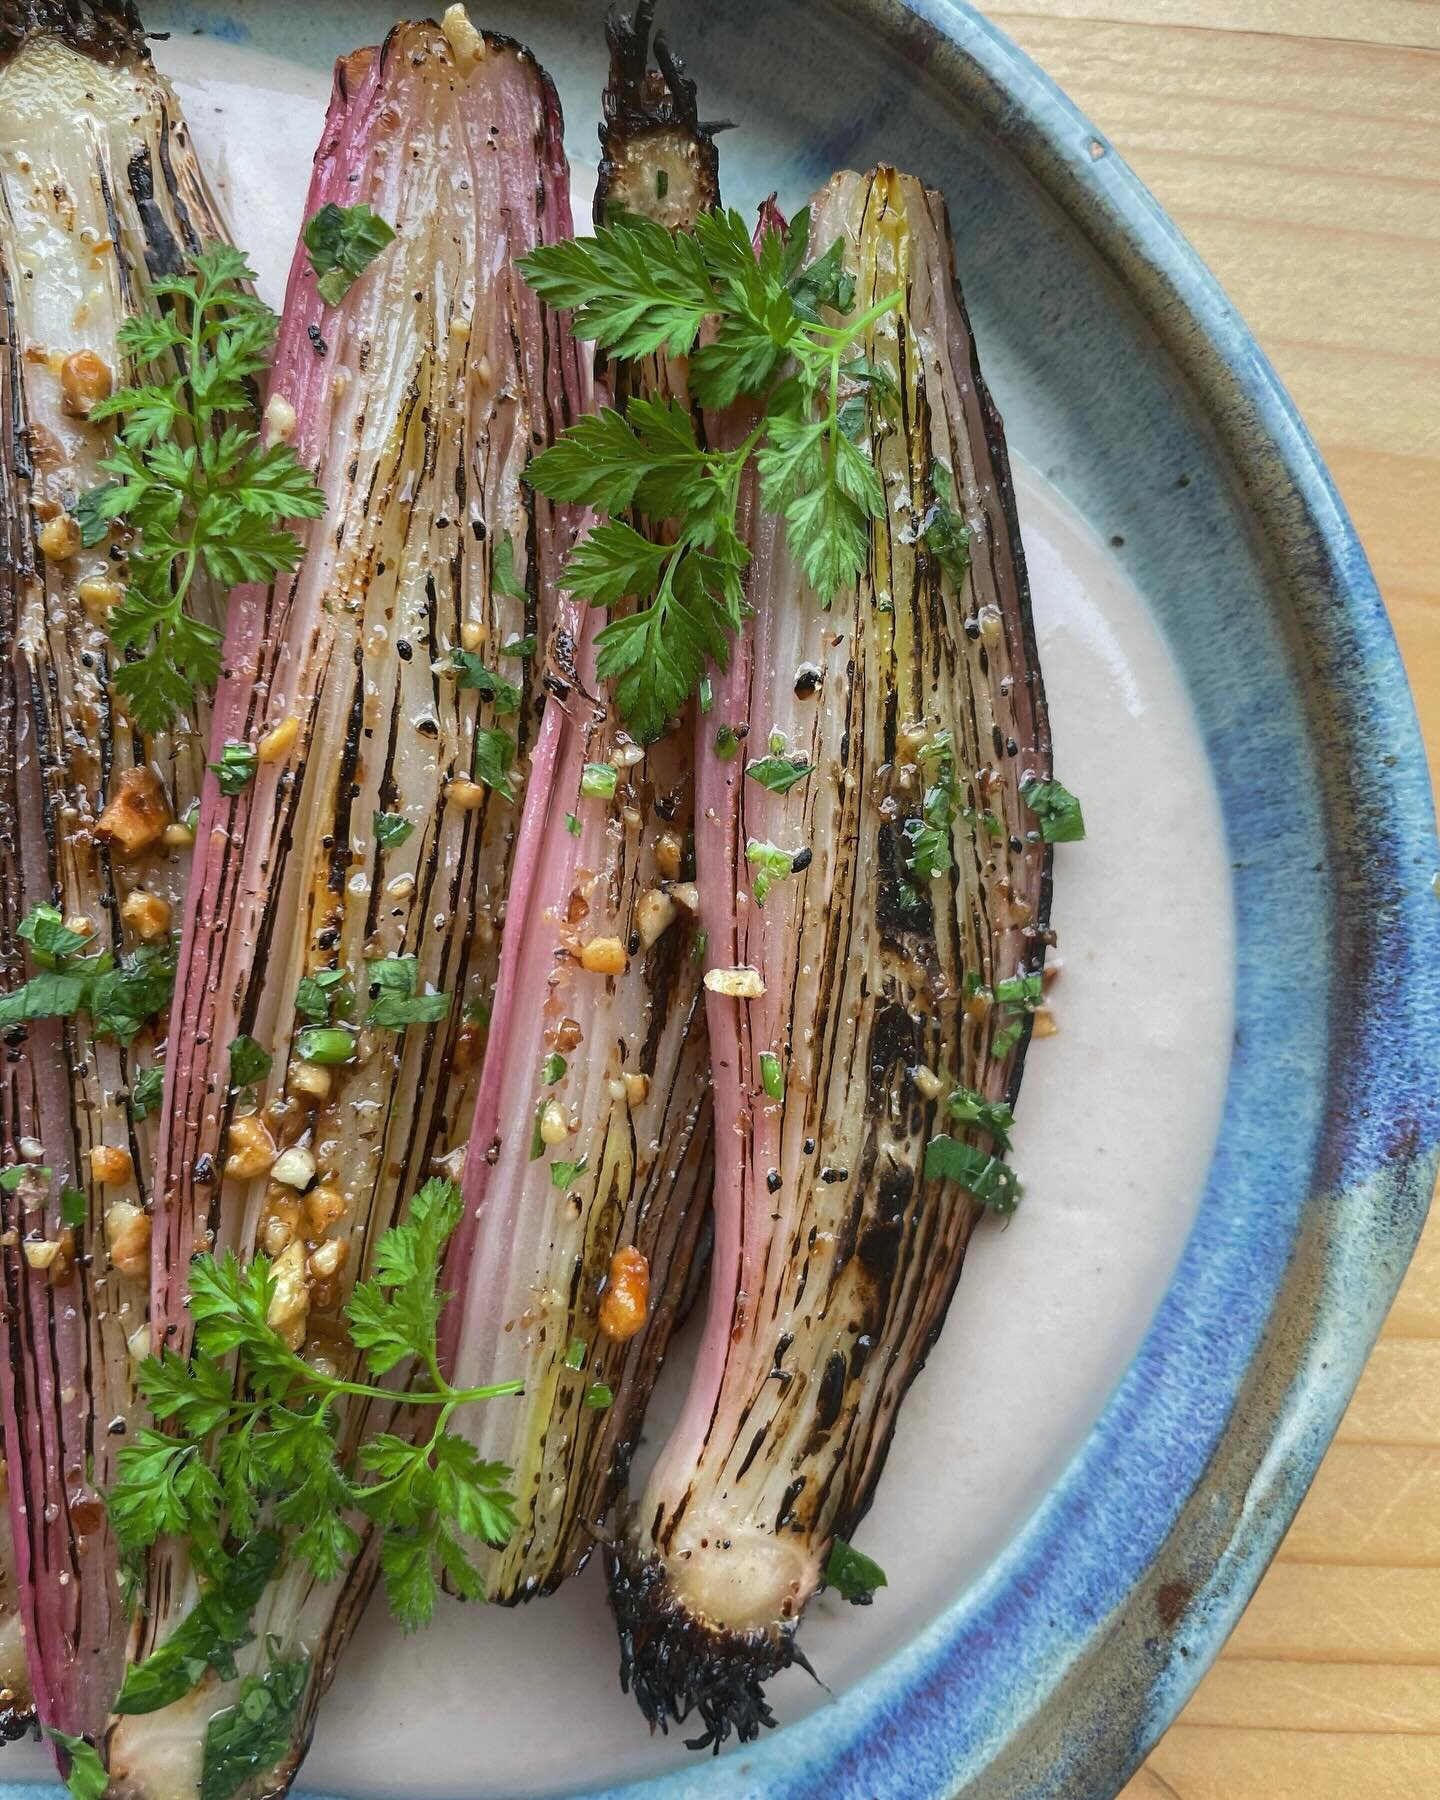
1297	143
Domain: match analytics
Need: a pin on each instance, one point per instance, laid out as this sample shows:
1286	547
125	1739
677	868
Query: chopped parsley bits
565	1174
779	773
322	993
391	830
966	1107
502	570
236	768
146	1091
472	675
772	1076
342	242
494	758
990	1181
945	534
572	824
770	865
727	743
394	1002
575	1355
853	1576
552	1068
599	1397
249	1063
72	1208
1056	810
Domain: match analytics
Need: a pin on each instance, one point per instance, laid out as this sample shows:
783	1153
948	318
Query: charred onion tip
677	1665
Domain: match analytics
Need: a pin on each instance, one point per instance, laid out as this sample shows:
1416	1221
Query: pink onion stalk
589	1165
859	971
100	194
369	685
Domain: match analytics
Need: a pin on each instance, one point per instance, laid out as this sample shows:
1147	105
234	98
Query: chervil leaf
221	508
634	287
612	562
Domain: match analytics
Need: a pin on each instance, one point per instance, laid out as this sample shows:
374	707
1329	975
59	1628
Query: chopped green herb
91	517
502	570
146	1091
343	241
11	1178
599	1397
929	835
565	1174
727	743
325	1044
521	646
1057	809
853	1576
537	1139
779	773
73	1209
472	674
598	781
707	693
391	830
572	824
575	1355
249	1738
944	533
248	1062
119	998
320	993
236	767
702	944
394	1002
494	758
769	865
220	1622
192	816
968	1108
552	1068
990	1181
85	1774
772	1076
50	939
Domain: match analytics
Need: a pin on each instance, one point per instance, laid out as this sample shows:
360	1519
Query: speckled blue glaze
1127	377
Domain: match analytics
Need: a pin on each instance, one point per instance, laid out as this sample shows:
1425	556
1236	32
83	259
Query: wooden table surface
1297	144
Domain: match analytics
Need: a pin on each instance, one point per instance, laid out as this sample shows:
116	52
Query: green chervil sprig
636	288
191	478
252	1473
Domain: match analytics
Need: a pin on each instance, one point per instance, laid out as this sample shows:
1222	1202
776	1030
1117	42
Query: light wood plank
1398	22
1370	1505
1297	143
1199	1763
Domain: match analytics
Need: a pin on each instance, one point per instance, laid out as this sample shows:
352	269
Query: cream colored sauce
1117	1120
